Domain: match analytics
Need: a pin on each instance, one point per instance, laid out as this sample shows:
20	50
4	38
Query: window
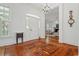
4	17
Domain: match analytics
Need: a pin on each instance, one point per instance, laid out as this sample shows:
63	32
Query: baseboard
12	43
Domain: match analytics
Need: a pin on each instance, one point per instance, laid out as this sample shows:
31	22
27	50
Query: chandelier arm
46	9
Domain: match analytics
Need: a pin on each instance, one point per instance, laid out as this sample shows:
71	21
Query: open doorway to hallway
52	24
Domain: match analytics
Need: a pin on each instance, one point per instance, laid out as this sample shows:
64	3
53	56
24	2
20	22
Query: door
32	28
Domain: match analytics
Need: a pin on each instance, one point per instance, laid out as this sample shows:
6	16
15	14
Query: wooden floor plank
2	51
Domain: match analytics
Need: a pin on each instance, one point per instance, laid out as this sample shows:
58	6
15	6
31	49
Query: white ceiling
41	5
35	5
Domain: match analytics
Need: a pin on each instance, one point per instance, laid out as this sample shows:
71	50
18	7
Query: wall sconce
71	21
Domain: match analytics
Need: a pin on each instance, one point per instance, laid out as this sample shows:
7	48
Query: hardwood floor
40	48
2	51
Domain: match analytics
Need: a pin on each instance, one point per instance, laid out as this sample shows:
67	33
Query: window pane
4	17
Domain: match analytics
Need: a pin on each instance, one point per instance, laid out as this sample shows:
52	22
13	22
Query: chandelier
46	9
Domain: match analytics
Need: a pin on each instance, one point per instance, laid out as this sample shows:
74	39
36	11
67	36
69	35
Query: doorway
52	25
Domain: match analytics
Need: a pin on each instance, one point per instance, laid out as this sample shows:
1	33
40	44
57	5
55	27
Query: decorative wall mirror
71	21
4	18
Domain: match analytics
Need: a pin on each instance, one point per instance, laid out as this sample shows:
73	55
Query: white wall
69	35
17	23
17	17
